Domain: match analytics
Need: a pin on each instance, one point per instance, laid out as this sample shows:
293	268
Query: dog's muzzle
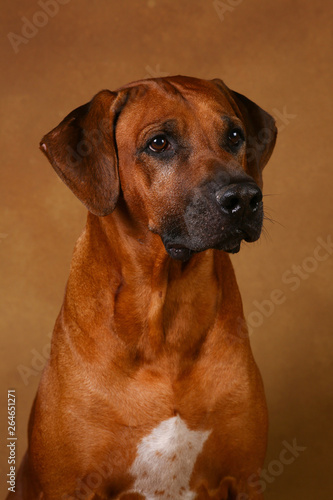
220	218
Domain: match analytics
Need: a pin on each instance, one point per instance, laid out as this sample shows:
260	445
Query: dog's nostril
239	198
255	201
231	203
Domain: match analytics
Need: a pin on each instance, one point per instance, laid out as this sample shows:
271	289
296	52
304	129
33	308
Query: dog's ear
82	151
260	128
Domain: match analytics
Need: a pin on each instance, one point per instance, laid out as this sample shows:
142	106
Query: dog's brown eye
235	137
158	144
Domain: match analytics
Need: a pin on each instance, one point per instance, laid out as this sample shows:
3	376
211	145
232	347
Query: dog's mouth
179	252
182	253
230	247
231	244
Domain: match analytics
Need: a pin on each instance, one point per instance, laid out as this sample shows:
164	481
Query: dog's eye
159	144
235	137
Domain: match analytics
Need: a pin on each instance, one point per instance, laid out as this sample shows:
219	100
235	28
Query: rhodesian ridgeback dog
151	390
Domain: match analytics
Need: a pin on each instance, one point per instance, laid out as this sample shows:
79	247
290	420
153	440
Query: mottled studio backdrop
55	55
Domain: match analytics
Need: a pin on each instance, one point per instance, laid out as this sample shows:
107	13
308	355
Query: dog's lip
179	252
234	248
183	253
230	244
176	246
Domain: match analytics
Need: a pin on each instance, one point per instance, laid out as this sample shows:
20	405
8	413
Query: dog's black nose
238	199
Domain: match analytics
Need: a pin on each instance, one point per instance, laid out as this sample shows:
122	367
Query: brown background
275	52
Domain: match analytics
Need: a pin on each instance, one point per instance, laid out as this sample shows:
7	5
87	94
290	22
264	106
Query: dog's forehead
180	89
159	99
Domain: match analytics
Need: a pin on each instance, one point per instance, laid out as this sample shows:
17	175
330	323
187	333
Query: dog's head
184	155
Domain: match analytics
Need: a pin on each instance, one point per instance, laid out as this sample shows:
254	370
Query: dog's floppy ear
260	128
82	151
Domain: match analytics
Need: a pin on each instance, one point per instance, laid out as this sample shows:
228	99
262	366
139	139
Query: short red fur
143	336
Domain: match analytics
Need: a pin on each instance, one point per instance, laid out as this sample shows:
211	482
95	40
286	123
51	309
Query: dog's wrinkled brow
171	127
232	121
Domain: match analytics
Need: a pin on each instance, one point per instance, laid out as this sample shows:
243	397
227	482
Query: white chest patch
165	461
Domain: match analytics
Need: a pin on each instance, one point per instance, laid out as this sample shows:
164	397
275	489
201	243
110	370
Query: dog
151	390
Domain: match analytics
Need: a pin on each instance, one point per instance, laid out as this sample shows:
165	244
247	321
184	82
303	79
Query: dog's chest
165	461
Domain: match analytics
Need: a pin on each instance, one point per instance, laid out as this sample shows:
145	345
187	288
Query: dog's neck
133	293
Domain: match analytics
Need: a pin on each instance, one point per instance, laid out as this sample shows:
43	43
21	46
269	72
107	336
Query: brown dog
151	391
